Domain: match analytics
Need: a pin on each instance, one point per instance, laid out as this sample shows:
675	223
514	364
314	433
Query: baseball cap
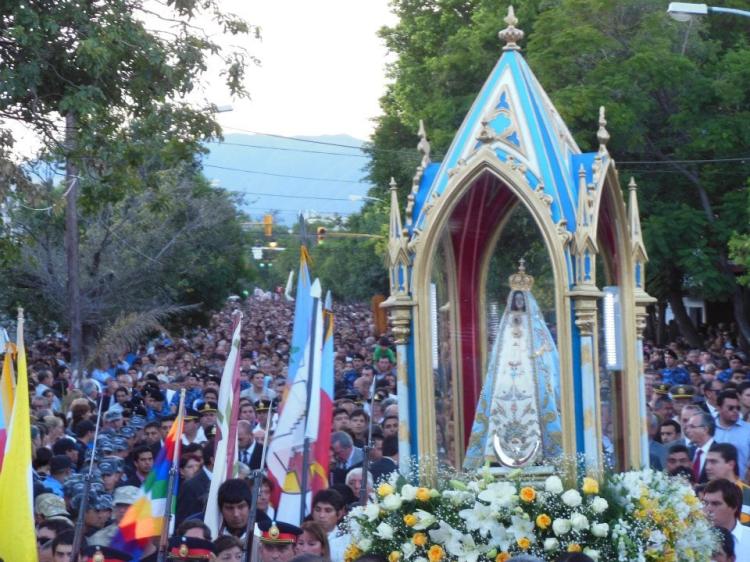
50	505
125	495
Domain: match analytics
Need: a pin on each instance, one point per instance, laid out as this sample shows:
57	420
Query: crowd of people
139	393
699	409
699	401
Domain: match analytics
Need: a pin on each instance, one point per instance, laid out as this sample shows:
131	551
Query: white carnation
551	544
384	531
372	510
392	502
553	485
425	520
600	529
599	505
365	545
561	526
579	521
572	498
591	553
408	492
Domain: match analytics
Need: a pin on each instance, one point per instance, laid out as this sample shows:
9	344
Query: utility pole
71	246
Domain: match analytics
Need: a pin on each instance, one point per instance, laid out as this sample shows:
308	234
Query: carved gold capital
399	314
586	306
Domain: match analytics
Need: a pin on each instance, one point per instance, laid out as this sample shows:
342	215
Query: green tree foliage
181	244
674	93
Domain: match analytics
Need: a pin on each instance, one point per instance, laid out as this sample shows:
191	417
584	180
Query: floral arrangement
634	516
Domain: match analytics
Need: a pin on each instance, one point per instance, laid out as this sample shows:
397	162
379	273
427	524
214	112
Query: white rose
579	521
572	498
591	553
392	502
408	549
408	492
425	520
599	505
600	529
561	526
365	545
551	544
553	485
384	531
372	510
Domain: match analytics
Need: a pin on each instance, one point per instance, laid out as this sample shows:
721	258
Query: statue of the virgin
518	419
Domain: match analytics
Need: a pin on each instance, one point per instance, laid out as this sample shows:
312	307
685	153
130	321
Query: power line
294	150
285	196
280	175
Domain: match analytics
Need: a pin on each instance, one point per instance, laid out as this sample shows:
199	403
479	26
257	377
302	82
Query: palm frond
129	330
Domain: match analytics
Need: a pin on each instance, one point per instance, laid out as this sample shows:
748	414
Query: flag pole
167	517
257	482
84	505
306	446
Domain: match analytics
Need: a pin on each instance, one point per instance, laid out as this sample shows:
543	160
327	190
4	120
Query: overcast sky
322	67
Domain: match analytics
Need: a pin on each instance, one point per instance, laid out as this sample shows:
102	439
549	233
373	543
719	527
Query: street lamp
685	11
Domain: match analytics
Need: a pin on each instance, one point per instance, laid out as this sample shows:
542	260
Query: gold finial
521	281
511	34
602	134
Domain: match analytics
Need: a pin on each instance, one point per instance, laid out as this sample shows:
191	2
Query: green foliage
181	244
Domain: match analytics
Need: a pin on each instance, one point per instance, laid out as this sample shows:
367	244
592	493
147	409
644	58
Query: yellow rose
502	557
573	547
543	521
435	554
523	543
410	520
394	556
419	539
528	494
423	494
590	486
385	490
351	553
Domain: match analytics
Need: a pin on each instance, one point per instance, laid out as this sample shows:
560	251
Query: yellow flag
18	539
7	385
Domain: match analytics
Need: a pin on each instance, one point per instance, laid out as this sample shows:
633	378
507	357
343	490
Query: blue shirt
53	486
739	436
678	375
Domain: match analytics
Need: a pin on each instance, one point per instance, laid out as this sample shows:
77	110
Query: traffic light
321	234
268	225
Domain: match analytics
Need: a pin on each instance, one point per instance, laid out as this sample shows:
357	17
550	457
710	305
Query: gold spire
602	134
511	34
521	281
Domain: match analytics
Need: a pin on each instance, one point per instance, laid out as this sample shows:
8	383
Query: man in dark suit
388	463
193	494
249	451
700	430
345	454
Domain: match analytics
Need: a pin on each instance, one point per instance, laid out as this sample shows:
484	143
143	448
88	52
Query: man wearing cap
96	553
190	549
113	420
682	395
262	407
60	469
111	469
207	413
673	373
123	498
278	541
192	432
50	506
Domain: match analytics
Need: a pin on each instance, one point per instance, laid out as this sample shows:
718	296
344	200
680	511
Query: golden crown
521	281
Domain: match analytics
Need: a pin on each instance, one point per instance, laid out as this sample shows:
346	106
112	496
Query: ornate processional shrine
519	371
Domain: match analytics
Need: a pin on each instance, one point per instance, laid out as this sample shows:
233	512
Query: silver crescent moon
509	461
